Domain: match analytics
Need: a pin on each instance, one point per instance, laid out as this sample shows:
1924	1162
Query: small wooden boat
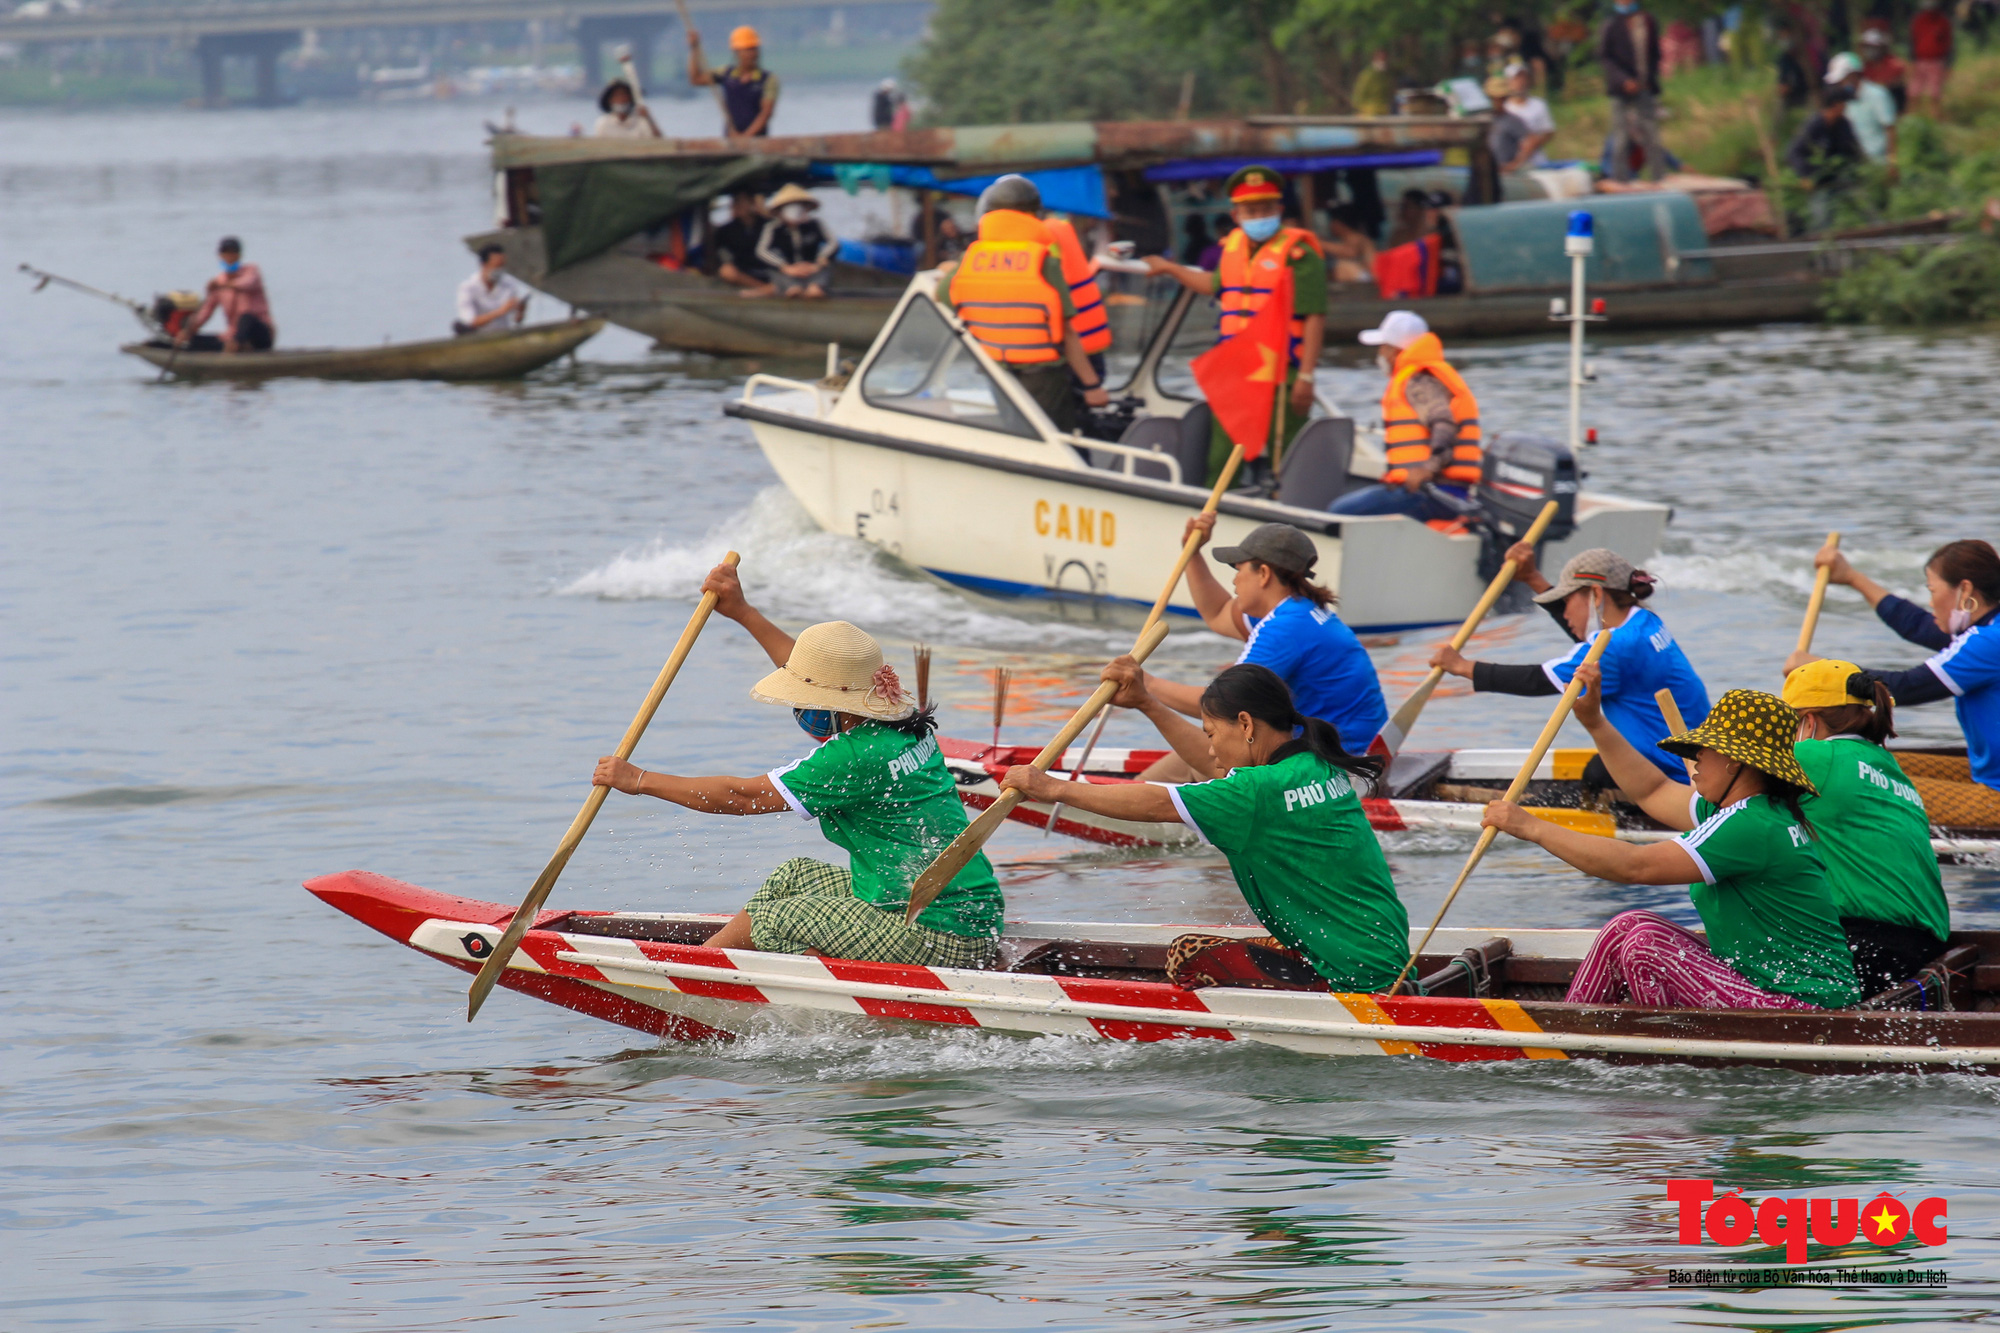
1487	994
1437	790
504	355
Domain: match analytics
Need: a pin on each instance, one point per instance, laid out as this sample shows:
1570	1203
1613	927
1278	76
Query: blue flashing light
1580	223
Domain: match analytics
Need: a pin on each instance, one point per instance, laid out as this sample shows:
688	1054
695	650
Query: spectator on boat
1261	239
736	242
1412	265
491	298
1350	250
1628	48
1930	56
1753	869
1871	113
794	246
1014	298
875	784
1963	578
1826	153
889	109
1430	427
1374	88
1508	133
749	92
1599	588
1092	320
1276	794
624	117
1286	623
1880	64
238	292
1521	103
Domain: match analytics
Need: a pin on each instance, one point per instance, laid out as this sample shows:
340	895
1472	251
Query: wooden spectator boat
502	355
1435	790
1487	994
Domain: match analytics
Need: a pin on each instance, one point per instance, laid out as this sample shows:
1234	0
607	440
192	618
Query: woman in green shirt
878	789
1281	805
1749	859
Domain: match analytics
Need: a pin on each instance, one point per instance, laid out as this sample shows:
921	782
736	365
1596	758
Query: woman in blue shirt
1287	624
1641	660
1964	582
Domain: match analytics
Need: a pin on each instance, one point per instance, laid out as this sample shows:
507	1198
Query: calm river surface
253	635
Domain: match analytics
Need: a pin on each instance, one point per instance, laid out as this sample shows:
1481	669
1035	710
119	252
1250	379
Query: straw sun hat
1753	728
837	666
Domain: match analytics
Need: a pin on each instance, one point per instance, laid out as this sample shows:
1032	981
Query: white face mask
1961	620
794	213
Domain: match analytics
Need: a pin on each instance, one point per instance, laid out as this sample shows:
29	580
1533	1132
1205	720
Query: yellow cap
743	38
1825	684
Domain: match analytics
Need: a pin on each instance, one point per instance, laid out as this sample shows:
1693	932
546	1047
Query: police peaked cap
1253	183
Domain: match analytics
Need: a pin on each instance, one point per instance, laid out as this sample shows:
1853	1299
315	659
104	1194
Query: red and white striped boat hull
691	992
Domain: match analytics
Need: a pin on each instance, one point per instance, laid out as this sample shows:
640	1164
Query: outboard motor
1520	474
171	311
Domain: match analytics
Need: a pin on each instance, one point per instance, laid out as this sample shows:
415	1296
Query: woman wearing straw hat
1752	869
877	787
794	244
1599	585
1867	818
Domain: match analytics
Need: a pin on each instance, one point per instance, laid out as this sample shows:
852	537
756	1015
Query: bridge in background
263	29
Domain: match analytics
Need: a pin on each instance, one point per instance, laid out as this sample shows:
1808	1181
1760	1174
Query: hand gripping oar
496	962
1188	549
1514	790
953	858
1398	727
1818	598
967	844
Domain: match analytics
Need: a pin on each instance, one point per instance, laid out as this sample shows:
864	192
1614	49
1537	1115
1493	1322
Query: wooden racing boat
507	354
1487	994
1425	790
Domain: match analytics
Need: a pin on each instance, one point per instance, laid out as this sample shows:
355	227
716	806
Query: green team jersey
1766	903
1301	849
1873	835
888	799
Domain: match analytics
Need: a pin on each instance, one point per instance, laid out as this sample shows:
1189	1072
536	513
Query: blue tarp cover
1078	190
1204	168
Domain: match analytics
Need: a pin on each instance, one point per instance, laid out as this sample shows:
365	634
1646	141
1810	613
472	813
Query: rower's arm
1180	698
1212	602
1139	692
732	605
1637	776
711	796
1593	854
1145	802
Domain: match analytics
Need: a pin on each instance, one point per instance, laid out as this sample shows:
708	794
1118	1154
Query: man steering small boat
238	292
1277	796
876	786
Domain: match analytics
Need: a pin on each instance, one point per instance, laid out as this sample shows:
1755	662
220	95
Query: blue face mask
230	266
1261	229
815	722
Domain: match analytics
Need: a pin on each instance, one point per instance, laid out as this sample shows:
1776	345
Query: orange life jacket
999	291
1247	279
1409	270
1093	321
1407	439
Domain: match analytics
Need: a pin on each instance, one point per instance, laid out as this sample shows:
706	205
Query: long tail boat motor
1522	472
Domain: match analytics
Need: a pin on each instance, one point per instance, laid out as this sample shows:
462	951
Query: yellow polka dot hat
1753	728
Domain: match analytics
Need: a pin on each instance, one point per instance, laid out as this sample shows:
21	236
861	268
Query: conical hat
837	666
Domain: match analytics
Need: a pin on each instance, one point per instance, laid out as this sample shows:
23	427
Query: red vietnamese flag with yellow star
1242	376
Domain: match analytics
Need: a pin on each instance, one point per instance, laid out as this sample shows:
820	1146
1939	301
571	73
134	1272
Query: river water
253	635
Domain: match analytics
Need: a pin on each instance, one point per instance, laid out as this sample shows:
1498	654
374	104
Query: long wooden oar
1676	724
1818	598
1398	728
496	962
1514	790
954	858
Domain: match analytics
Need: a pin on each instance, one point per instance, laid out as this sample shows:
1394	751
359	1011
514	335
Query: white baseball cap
1399	328
1841	66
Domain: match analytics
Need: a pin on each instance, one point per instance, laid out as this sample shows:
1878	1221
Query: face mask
1261	229
230	266
815	722
794	213
1961	621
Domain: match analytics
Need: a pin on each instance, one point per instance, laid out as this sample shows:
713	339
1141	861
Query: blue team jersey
1970	669
1325	666
1641	659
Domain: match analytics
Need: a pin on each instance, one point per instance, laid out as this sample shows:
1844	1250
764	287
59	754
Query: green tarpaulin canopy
588	207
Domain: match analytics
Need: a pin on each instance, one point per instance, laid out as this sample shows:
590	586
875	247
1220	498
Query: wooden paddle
1676	724
496	962
1398	727
954	858
1514	790
1818	598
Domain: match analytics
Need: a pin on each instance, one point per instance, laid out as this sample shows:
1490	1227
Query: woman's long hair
1262	693
1871	722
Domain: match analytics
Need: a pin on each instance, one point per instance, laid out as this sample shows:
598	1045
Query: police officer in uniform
1242	281
1013	298
749	92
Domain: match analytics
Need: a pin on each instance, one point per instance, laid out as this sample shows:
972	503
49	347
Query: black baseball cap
1279	545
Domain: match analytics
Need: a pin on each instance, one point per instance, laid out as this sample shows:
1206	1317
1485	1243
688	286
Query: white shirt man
490	298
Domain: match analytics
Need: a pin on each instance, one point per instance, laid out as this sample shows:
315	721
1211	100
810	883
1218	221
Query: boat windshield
923	368
1195	335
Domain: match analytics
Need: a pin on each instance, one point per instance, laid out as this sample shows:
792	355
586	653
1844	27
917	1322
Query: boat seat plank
1477	973
1413	772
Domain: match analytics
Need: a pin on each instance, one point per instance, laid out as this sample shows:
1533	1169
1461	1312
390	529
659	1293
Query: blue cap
1579	223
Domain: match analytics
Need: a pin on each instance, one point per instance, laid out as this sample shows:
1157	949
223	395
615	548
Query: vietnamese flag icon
1242	376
